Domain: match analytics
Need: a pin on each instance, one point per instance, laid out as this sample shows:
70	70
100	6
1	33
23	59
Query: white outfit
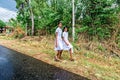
59	39
65	46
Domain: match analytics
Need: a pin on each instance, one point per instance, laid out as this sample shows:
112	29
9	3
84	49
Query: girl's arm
56	43
65	41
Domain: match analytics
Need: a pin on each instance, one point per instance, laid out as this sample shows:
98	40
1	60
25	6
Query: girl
66	43
58	42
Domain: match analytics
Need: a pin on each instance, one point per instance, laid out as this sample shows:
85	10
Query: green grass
100	47
6	38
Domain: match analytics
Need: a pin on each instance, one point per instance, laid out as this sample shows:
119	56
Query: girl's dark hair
64	28
59	22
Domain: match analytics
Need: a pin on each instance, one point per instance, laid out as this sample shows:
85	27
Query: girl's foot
60	58
56	58
72	59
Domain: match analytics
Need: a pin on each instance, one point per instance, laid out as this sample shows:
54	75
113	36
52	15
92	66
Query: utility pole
73	20
32	17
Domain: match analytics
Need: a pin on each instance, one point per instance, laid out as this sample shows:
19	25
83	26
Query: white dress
59	39
65	46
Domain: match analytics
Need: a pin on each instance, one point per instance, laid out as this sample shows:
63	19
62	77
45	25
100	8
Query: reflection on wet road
17	66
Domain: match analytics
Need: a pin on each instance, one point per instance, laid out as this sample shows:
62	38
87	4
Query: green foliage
118	2
100	17
89	55
82	29
2	24
100	47
47	13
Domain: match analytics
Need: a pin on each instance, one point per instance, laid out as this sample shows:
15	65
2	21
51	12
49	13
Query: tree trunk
26	29
73	20
32	19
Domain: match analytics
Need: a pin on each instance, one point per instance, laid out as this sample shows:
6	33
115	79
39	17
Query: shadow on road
17	66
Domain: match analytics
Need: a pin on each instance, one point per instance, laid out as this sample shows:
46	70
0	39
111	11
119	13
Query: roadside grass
87	63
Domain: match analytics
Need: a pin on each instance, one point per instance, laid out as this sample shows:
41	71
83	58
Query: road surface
17	66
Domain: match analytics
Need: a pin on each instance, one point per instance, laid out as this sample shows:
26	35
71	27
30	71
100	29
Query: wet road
17	66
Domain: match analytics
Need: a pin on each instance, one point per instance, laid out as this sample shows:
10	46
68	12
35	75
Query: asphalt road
17	66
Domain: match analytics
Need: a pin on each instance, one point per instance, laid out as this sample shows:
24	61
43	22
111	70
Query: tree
99	17
118	2
32	17
25	13
2	24
96	17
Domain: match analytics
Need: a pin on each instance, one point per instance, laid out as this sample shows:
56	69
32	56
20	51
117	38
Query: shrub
18	33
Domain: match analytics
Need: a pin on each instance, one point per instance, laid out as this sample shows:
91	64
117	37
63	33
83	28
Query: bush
18	33
2	24
99	17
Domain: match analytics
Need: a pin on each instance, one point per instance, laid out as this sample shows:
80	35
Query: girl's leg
57	55
71	58
60	54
